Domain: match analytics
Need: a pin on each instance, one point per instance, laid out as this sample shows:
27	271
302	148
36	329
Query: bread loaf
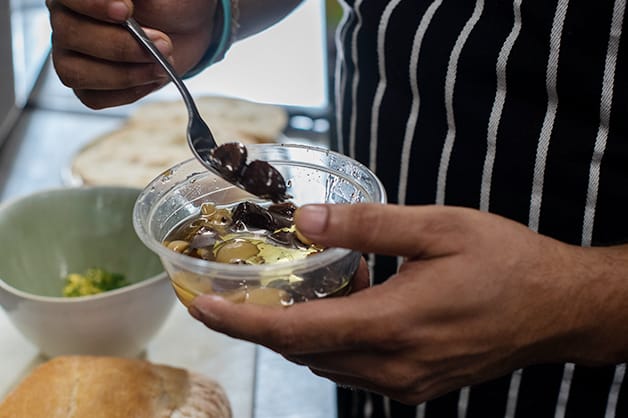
108	387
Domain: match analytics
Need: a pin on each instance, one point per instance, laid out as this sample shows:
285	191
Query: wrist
224	25
603	306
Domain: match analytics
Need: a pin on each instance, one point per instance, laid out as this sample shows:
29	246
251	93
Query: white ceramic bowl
49	234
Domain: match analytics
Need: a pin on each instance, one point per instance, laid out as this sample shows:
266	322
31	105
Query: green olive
268	296
204	253
178	245
235	296
236	251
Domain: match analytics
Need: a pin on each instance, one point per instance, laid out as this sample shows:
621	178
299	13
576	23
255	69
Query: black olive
254	216
284	238
281	221
229	159
263	180
285	209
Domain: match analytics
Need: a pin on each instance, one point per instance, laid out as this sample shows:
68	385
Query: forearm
595	306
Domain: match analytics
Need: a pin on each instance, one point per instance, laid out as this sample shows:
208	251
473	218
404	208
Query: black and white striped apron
516	107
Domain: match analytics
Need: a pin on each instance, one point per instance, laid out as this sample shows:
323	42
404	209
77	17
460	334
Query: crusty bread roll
109	387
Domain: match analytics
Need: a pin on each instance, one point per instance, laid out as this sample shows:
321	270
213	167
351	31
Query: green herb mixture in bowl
75	278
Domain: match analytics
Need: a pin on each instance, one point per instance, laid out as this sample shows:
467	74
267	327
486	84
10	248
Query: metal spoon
227	161
200	138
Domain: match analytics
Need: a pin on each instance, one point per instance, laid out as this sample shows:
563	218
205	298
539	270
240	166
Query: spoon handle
137	31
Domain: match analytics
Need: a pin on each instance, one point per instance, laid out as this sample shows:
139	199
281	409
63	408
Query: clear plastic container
312	174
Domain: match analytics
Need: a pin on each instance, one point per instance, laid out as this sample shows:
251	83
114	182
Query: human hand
101	61
477	296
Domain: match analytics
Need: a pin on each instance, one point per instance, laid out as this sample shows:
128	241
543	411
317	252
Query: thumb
377	228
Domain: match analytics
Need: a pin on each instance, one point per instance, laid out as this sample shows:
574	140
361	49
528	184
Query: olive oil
248	233
242	233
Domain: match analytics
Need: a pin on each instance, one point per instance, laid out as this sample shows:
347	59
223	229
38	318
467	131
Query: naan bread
153	139
255	122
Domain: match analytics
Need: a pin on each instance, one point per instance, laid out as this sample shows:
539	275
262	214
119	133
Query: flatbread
131	156
256	122
153	139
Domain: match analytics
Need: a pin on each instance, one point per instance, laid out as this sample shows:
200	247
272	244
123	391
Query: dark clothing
517	108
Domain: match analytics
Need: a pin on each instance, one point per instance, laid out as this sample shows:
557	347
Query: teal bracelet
216	50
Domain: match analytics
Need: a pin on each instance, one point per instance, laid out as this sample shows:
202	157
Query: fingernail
312	219
118	10
193	310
